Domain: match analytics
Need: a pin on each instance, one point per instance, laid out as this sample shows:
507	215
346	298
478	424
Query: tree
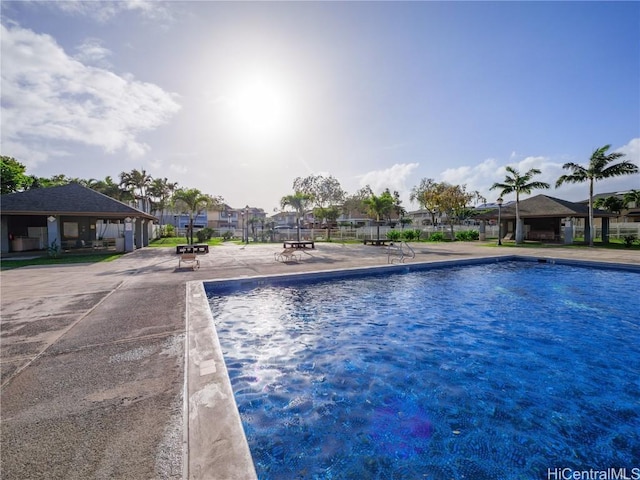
13	176
427	194
137	181
612	203
632	197
193	202
300	203
160	192
600	167
327	196
379	206
355	203
517	183
111	189
452	201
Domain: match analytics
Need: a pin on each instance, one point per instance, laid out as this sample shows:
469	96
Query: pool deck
96	358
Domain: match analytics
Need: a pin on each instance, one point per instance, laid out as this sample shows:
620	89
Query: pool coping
214	438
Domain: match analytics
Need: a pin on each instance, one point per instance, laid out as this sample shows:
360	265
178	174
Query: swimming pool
502	370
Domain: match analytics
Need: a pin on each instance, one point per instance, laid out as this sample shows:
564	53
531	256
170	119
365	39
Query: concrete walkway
94	368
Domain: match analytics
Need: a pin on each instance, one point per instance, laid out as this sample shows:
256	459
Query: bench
191	258
196	248
298	244
541	235
377	242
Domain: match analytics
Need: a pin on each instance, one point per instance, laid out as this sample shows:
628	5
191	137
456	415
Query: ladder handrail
399	251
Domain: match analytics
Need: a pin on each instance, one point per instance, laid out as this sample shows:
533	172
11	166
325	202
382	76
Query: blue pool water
495	371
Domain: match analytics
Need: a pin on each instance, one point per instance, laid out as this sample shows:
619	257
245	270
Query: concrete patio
96	359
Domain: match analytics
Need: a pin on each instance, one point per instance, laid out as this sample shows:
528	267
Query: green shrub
436	237
629	240
409	235
467	235
228	235
168	231
204	234
394	235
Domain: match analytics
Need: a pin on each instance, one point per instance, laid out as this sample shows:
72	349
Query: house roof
545	206
71	199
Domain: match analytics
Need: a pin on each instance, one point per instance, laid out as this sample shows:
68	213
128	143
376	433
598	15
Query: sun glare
259	111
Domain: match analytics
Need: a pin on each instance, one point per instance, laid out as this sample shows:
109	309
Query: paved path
93	356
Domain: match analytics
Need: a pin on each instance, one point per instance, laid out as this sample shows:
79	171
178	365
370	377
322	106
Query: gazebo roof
72	199
544	206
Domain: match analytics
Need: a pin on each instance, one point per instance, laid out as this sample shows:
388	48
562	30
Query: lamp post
228	221
499	202
246	211
242	213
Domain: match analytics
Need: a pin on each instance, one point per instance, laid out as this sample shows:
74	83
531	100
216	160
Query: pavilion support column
483	228
53	232
568	231
129	245
4	227
587	230
144	232
605	229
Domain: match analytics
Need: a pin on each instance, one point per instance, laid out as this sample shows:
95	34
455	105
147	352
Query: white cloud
104	11
394	178
482	176
49	98
92	52
631	151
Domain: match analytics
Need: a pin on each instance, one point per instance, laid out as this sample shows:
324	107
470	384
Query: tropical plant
612	204
600	167
467	235
519	183
632	197
379	206
629	240
300	203
394	235
192	201
436	237
160	191
137	182
111	189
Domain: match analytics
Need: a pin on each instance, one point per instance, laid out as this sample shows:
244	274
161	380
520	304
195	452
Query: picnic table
377	242
196	248
299	244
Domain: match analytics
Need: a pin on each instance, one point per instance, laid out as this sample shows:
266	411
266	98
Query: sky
238	99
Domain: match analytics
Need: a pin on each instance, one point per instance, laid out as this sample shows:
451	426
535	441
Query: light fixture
499	202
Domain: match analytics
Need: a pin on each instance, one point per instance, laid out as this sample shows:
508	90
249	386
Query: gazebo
546	218
70	217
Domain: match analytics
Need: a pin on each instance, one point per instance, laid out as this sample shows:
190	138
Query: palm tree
519	184
379	206
632	196
599	168
160	190
300	203
137	180
193	202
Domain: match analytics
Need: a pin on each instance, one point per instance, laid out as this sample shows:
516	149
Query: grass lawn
8	264
173	241
614	244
